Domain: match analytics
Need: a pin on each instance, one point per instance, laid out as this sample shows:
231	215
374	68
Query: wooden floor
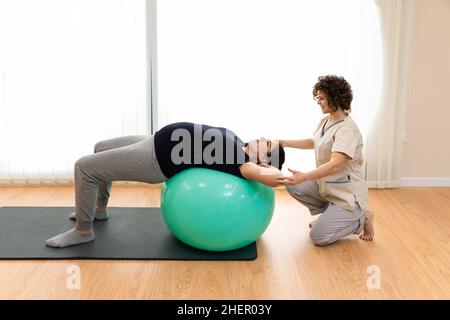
411	251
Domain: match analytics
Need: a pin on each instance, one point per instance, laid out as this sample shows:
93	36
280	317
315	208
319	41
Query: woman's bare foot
311	224
368	231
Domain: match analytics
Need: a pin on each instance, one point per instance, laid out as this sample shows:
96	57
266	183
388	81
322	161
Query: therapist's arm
298	144
337	162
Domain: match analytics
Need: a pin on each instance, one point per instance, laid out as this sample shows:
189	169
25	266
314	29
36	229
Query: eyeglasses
319	98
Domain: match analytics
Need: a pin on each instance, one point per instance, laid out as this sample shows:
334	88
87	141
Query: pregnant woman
156	158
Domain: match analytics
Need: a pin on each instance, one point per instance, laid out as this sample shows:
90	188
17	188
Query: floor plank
411	250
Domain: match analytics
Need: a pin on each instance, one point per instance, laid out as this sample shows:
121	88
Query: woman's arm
267	175
299	144
337	162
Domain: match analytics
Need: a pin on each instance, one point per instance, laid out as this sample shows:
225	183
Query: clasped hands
297	177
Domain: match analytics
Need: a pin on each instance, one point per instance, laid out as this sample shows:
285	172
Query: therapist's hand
296	178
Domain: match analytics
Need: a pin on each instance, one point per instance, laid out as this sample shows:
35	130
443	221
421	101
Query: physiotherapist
336	190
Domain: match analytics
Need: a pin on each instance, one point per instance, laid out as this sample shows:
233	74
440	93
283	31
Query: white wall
427	149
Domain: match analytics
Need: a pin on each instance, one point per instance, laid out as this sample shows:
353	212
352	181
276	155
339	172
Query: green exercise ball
216	211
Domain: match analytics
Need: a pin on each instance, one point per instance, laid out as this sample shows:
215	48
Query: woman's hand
296	178
263	173
337	163
270	176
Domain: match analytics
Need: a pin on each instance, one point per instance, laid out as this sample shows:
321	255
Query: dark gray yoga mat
129	234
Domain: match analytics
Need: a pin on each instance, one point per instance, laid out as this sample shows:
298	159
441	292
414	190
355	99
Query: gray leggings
129	158
334	222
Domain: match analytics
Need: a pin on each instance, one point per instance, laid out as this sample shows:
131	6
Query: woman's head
267	151
332	93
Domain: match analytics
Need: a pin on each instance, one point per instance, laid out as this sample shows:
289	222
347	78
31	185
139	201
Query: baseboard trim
425	182
382	184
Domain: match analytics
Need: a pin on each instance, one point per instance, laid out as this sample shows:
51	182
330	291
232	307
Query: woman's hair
277	157
337	90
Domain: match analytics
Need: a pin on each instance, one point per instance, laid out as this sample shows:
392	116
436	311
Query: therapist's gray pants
334	222
129	158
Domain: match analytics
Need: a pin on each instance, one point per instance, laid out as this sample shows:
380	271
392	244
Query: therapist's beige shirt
347	186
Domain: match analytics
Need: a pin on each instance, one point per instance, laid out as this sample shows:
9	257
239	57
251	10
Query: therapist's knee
296	191
320	238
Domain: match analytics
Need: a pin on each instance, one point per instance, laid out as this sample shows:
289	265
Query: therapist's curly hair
337	90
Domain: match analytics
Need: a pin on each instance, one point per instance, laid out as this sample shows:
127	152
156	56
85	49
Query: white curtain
250	65
388	129
72	72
